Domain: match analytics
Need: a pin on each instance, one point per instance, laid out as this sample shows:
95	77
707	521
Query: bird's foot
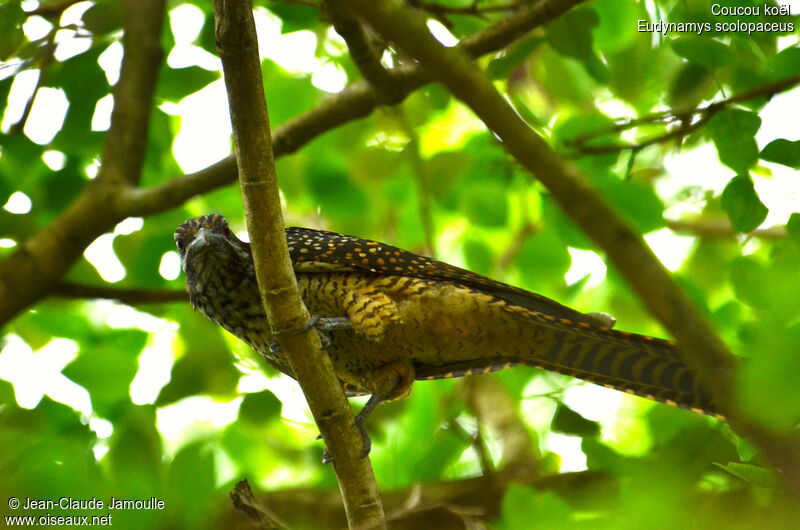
360	420
326	324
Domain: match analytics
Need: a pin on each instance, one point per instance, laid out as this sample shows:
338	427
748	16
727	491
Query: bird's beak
200	240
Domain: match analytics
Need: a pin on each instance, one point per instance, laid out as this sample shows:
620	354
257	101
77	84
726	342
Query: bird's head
211	254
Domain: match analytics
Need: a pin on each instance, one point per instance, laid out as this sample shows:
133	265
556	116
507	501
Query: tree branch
126	140
432	505
701	348
362	52
238	48
245	501
357	101
684	120
721	228
32	269
42	260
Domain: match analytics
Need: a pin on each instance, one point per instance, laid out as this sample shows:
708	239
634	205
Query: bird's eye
226	231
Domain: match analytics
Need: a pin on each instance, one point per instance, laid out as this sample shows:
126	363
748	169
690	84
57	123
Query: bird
389	317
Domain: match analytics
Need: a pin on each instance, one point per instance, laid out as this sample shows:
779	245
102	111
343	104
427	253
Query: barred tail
636	364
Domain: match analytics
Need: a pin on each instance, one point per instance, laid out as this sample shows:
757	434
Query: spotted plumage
412	317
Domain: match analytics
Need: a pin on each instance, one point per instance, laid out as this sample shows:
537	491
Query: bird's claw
360	420
325	324
366	443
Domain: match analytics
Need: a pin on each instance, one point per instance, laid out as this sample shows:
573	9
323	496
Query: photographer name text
69	503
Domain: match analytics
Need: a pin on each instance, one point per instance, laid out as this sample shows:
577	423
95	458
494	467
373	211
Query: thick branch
238	49
126	140
701	348
29	272
45	257
357	101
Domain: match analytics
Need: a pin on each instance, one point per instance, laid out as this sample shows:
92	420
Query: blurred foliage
575	78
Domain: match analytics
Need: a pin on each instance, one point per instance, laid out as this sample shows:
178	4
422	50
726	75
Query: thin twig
362	52
472	9
476	441
721	228
683	119
491	404
246	501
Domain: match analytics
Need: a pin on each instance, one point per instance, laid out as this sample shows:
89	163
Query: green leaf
690	86
520	503
568	421
639	73
782	151
733	132
588	124
571	33
7	394
295	17
260	407
741	202
703	51
11	35
618	23
793	226
177	83
543	260
769	286
478	256
135	457
288	95
444	168
103	17
106	366
337	196
753	474
746	451
564	82
46	450
635	200
785	64
141	252
485	203
191	483
84	83
207	366
502	67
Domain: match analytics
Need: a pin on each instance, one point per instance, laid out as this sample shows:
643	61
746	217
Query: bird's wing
314	251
